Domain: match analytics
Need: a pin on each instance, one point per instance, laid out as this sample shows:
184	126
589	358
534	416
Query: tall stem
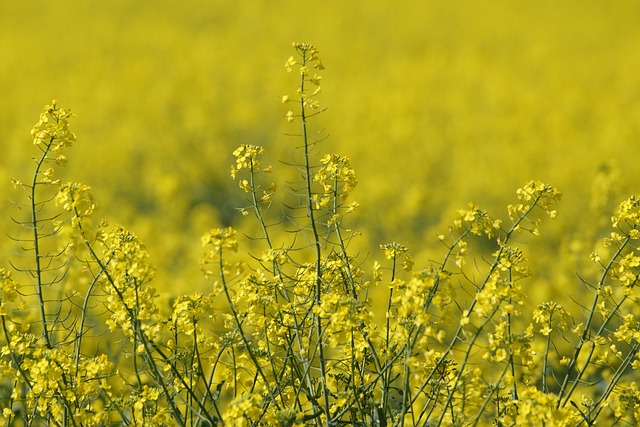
316	242
36	244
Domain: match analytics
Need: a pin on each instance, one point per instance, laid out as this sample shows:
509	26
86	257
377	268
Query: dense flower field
298	306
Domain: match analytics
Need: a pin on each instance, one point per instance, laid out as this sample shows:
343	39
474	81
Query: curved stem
36	244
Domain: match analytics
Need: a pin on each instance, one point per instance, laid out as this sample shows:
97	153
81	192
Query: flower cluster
477	221
247	158
130	300
551	316
52	129
77	199
308	60
512	260
533	194
219	239
51	383
9	288
337	179
627	218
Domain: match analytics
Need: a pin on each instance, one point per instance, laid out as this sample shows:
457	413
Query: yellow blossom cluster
130	298
220	239
337	179
533	194
308	59
52	129
477	220
77	199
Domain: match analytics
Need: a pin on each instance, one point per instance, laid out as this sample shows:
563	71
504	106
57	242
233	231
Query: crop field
336	214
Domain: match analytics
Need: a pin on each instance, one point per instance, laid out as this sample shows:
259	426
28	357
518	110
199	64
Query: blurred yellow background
436	102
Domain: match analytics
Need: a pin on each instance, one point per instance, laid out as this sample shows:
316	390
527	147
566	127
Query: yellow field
436	103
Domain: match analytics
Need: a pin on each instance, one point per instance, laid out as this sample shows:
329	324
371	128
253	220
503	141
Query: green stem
36	244
316	242
584	338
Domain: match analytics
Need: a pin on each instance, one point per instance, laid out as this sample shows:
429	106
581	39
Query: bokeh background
437	103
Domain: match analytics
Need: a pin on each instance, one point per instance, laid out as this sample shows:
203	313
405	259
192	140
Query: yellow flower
393	250
289	63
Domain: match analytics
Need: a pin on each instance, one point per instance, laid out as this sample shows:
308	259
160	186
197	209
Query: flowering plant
312	333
